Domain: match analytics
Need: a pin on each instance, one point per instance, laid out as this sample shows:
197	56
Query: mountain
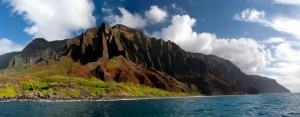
36	51
210	74
4	59
124	54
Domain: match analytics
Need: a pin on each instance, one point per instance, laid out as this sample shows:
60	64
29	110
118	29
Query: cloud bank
54	19
285	67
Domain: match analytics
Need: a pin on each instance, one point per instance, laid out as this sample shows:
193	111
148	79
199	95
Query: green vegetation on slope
8	91
53	79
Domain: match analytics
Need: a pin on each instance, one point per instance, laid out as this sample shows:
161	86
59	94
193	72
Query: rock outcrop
210	74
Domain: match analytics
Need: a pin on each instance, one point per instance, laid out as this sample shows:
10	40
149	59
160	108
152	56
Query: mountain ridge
154	62
211	74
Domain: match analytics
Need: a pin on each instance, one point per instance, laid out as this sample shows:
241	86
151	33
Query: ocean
268	105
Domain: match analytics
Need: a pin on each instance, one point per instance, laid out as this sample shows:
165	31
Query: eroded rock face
95	43
211	75
102	53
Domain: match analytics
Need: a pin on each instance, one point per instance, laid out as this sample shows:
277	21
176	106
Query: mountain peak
126	29
37	50
105	28
36	44
39	40
120	26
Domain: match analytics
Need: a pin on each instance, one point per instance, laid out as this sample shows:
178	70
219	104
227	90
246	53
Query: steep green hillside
53	81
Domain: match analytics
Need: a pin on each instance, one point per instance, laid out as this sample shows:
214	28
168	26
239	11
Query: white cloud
285	52
7	46
246	53
286	25
288	2
135	20
127	18
251	15
54	19
156	14
106	10
279	23
272	40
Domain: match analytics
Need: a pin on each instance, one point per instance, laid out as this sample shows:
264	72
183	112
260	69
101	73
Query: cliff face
208	74
103	54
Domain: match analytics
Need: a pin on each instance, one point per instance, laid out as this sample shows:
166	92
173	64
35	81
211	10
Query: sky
259	36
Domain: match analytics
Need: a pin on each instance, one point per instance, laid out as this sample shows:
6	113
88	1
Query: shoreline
104	98
72	99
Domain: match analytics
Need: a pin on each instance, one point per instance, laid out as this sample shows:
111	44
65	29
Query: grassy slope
53	79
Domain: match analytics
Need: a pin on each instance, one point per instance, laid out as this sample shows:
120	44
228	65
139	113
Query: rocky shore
37	97
46	97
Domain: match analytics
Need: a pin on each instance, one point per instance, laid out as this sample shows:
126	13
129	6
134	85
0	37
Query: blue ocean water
269	105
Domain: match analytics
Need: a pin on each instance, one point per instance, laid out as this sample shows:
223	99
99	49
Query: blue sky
212	16
260	37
